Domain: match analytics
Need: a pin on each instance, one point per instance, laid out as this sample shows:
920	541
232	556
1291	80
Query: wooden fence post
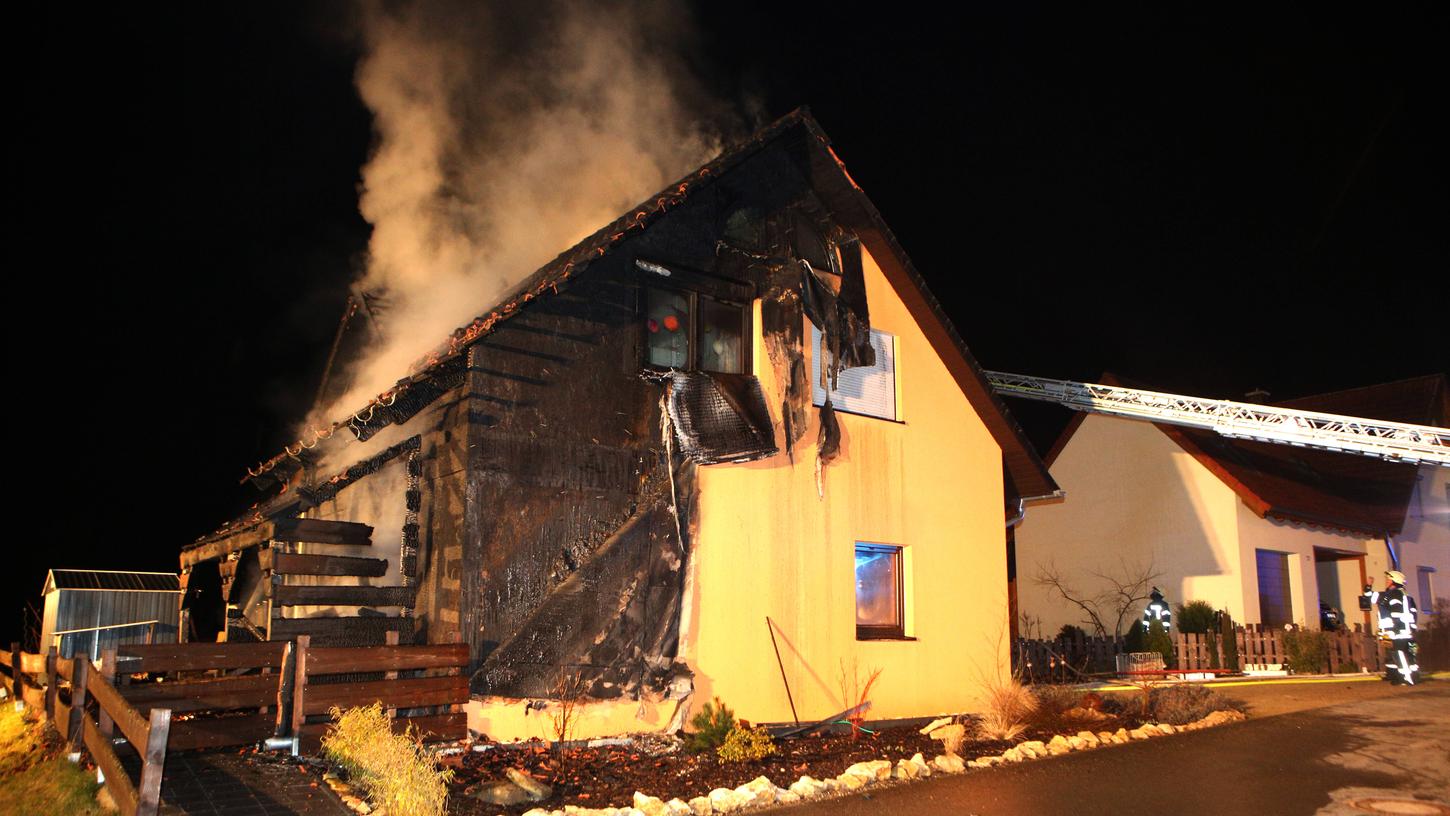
299	685
153	763
108	671
17	676
79	674
390	638
52	686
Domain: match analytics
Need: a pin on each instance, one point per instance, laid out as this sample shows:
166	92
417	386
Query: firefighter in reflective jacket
1397	625
1157	611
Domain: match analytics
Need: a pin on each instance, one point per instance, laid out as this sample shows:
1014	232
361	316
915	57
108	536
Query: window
1426	599
688	330
870	391
880	607
1275	606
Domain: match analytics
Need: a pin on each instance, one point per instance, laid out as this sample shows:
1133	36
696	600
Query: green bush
1307	651
1195	617
746	744
712	724
1349	667
396	772
1156	639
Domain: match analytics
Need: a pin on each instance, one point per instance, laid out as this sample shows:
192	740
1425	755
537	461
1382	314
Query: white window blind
870	391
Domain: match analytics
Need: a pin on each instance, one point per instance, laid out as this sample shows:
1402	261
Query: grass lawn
35	776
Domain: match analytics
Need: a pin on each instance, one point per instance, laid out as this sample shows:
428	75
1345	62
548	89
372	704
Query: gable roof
1338	490
111	580
1025	473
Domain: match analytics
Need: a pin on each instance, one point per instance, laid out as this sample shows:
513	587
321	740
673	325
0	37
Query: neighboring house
609	482
89	611
1265	531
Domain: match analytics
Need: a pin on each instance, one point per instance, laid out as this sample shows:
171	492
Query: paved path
229	783
1308	762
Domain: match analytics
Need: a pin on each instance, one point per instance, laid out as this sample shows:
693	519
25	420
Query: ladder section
1392	441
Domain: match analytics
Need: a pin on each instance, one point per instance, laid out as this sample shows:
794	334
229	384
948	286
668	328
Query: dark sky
1206	202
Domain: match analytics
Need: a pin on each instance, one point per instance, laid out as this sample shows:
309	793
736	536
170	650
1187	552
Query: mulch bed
609	776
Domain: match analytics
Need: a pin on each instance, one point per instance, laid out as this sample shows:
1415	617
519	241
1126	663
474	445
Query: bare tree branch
1126	588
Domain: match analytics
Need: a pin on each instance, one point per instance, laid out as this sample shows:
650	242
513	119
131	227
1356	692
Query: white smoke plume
505	133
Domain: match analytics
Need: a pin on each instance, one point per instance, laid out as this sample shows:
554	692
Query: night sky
1204	202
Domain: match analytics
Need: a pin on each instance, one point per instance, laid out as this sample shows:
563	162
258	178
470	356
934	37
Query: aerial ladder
1392	441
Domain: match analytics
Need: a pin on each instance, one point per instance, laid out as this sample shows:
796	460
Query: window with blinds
867	391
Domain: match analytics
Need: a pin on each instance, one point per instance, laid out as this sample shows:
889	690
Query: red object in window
654	326
672	323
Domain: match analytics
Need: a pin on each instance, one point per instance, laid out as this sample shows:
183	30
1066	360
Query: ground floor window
1426	599
880	605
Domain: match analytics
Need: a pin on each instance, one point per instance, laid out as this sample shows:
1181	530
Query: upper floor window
869	390
687	330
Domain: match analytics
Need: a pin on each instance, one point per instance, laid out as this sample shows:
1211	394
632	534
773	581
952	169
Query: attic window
689	331
866	390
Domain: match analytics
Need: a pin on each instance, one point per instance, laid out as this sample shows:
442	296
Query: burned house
727	443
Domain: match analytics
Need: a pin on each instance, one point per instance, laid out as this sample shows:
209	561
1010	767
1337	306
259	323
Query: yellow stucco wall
1135	497
767	545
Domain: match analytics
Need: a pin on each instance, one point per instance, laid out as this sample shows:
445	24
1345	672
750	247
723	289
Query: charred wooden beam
298	564
286	595
253	691
411	693
322	531
166	657
323	660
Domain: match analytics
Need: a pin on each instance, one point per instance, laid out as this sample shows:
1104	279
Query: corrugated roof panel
113	580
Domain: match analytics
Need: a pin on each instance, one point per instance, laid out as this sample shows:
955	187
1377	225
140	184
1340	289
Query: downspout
1394	557
1021	512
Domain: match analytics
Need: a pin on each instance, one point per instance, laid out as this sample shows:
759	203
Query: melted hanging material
842	317
720	417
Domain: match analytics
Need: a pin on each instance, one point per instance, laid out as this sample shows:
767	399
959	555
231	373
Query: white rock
1089	737
648	805
989	761
1078	743
850	782
724	800
787	798
1138	734
872	770
759	790
676	807
700	806
1166	728
904	770
935	724
806	787
537	812
948	763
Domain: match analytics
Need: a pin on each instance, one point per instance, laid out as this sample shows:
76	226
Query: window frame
817	362
898	631
692	354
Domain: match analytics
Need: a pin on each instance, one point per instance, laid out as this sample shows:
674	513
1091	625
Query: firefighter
1157	610
1397	624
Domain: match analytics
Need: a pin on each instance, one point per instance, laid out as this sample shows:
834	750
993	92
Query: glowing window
880	612
687	330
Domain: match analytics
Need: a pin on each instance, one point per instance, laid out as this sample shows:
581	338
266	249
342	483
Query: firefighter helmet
1395	576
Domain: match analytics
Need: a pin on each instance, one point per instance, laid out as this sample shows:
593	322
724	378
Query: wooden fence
1070	659
63	690
230	694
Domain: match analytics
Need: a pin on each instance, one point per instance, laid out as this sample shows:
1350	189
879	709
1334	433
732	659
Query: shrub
1434	638
1195	617
1307	650
1009	705
1185	703
1070	632
745	744
393	768
1154	639
712	724
1349	667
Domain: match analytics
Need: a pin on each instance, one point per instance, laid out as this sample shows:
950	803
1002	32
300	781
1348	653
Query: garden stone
949	763
1138	734
760	790
1105	737
700	806
787	798
1058	741
724	800
649	805
1121	734
1078	743
1089	737
501	792
1033	748
1013	755
872	770
903	770
806	787
537	812
950	736
1152	730
934	725
1166	728
989	761
536	790
850	781
676	807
